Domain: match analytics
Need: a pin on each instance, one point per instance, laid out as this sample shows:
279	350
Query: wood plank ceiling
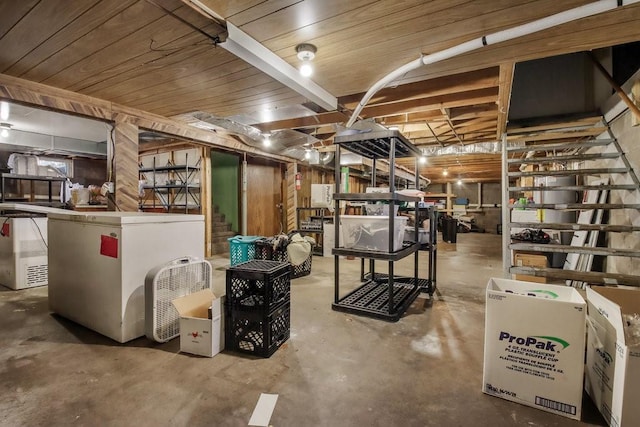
161	56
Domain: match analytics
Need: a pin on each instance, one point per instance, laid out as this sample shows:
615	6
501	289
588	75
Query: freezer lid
119	218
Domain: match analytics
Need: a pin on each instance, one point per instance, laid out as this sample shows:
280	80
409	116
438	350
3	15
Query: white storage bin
423	234
372	232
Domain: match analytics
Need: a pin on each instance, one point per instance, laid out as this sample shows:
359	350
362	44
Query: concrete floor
336	369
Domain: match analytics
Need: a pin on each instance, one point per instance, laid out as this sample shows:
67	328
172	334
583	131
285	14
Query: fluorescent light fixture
250	50
394	128
4	110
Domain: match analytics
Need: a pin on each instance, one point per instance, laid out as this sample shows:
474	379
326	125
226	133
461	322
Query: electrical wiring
39	232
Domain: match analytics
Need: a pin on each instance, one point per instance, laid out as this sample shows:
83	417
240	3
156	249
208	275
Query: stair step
223	233
583	276
221	226
576	187
549	147
577	206
218	217
575	249
576	227
552	159
594	171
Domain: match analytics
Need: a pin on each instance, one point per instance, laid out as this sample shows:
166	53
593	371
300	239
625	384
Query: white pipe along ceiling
501	36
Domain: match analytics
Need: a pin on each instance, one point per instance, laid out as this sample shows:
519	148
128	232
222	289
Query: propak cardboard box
534	345
201	323
613	359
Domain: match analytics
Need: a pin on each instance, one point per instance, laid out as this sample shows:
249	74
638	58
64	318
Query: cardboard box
613	362
200	334
529	260
534	345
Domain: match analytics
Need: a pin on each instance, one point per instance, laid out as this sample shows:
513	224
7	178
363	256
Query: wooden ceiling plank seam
21	39
201	92
296	17
128	44
457	31
379	15
74	30
137	44
135	67
207	101
212	82
93	43
11	15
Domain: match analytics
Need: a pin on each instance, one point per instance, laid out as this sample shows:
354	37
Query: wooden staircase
220	232
574	150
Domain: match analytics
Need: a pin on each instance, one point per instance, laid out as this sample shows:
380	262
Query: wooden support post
292	196
124	159
206	193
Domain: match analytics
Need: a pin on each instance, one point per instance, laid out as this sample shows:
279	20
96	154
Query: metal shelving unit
32	178
179	184
313	228
382	296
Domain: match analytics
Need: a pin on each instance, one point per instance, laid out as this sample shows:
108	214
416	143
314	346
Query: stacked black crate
257	307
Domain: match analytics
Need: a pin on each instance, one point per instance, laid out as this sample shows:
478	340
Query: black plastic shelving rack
381	296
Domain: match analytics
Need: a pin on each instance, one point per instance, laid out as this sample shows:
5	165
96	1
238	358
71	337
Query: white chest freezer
98	263
23	251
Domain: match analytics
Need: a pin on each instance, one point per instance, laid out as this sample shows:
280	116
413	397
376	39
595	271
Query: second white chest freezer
98	263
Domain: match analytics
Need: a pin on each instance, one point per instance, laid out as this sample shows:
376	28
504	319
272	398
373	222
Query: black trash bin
449	229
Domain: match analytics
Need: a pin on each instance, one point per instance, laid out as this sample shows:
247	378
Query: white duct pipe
501	36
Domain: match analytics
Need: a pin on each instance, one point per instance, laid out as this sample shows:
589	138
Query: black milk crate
264	250
258	285
303	269
256	333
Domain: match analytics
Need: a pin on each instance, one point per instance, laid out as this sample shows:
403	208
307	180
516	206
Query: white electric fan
165	283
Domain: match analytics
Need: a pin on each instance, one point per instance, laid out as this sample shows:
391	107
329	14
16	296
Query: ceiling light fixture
266	139
307	154
445	172
423	158
4	129
250	50
459	182
394	128
306	52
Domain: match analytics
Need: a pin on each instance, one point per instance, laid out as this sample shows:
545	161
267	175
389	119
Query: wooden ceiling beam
464	82
466	112
548	136
504	97
470	98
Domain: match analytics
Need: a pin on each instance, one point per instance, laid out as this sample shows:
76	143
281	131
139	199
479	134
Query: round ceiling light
306	52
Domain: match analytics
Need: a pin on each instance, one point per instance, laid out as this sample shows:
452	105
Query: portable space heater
165	283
